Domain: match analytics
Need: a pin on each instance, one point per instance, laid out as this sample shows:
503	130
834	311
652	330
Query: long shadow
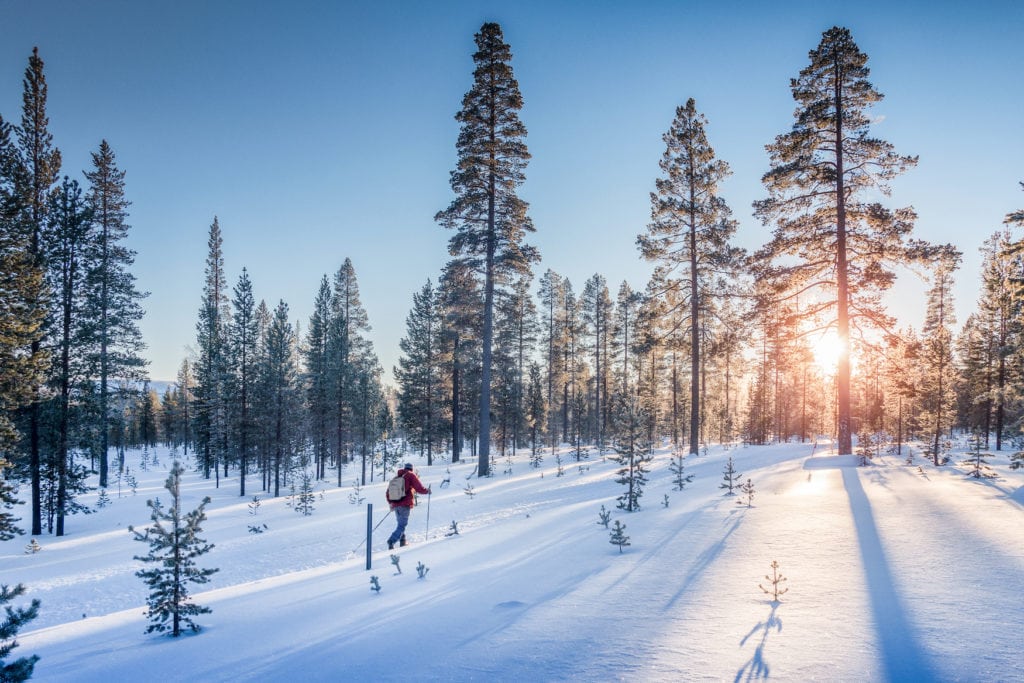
702	562
756	667
902	656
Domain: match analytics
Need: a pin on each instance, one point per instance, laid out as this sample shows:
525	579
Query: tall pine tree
210	409
113	303
829	239
41	167
688	236
489	217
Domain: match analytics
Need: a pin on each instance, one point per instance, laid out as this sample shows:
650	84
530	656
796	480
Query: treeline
719	345
256	398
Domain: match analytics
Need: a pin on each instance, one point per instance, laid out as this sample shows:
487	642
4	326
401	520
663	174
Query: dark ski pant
402	515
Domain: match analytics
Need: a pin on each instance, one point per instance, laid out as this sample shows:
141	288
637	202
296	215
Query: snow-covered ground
894	573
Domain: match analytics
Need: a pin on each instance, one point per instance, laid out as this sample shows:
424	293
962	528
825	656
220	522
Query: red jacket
412	483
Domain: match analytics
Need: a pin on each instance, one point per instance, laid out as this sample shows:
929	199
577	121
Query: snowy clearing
894	573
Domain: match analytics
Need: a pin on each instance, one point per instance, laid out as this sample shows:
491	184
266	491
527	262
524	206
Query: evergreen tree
1015	218
631	448
174	547
489	218
21	288
347	345
71	228
421	394
823	172
624	329
8	522
1000	327
977	462
112	302
679	477
747	490
597	318
186	383
40	162
242	337
460	301
517	333
536	413
689	233
552	297
730	477
210	409
318	377
21	668
280	376
936	358
618	535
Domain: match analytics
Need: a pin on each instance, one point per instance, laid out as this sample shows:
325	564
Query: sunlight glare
827	349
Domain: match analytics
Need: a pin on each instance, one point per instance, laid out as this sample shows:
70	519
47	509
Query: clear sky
317	131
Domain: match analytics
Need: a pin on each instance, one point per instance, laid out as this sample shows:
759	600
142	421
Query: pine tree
552	297
536	413
624	331
460	301
304	505
40	162
597	318
618	535
210	409
21	286
242	338
71	230
489	218
186	383
775	580
516	335
977	463
112	302
21	668
679	477
936	357
346	347
631	448
318	378
747	490
421	398
689	233
174	547
8	522
730	477
280	378
823	172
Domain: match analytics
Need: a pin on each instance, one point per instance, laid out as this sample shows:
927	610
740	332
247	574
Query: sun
826	349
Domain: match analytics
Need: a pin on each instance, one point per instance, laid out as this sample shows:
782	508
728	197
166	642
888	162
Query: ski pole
429	496
374	528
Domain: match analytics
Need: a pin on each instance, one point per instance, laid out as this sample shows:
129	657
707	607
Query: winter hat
408	466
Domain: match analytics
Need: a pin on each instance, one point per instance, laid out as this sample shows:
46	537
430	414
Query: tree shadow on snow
703	561
902	656
756	667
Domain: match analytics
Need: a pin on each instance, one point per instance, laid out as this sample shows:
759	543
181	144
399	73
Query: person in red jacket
403	506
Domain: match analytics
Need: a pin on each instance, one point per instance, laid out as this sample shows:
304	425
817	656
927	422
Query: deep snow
894	573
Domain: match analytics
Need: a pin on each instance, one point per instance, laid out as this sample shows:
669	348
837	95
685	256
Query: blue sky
317	131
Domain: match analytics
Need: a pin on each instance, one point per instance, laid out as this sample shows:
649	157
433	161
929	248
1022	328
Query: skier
400	496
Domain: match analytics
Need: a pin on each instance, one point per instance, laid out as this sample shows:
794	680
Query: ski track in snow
891	576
